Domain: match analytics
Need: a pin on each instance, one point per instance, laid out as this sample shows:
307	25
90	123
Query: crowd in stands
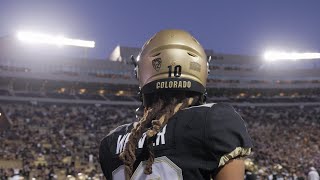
217	95
286	139
264	95
265	99
84	96
57	140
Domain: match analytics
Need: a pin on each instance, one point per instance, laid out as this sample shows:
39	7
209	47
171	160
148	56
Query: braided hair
162	107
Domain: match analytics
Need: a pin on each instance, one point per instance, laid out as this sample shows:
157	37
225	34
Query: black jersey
193	145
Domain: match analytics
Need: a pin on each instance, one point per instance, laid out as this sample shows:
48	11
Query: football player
179	136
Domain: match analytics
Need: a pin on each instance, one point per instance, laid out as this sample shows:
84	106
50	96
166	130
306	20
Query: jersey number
162	168
176	71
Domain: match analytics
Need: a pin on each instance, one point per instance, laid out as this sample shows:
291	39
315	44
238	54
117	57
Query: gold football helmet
172	60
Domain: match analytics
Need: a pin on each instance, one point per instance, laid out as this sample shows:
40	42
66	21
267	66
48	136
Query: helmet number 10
176	71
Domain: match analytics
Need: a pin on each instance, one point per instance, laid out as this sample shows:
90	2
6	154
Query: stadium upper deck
28	70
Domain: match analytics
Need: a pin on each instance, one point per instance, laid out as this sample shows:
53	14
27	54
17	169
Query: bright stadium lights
280	55
58	40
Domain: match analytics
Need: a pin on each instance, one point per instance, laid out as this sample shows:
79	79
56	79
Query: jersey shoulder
122	129
199	111
226	133
217	114
223	116
206	110
202	106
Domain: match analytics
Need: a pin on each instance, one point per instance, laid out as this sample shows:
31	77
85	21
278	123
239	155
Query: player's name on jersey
123	139
173	84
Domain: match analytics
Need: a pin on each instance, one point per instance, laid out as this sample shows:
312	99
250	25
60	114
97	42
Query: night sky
236	27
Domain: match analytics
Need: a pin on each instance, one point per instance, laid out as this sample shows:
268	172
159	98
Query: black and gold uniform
178	136
194	143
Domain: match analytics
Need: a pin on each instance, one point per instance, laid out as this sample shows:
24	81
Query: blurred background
66	78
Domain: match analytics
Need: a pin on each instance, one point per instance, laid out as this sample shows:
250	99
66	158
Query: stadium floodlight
281	55
58	40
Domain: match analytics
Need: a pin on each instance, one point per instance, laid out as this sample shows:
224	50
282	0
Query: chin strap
203	98
139	111
134	62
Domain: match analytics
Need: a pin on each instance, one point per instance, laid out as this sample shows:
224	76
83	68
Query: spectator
313	174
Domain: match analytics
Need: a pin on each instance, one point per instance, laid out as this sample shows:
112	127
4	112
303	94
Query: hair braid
149	162
166	114
128	155
162	110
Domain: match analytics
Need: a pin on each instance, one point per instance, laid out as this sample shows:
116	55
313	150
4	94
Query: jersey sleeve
226	134
104	158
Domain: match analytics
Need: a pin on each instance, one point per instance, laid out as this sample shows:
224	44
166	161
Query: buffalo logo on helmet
156	63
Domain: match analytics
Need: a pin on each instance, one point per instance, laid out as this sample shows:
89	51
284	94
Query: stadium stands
61	108
49	137
59	138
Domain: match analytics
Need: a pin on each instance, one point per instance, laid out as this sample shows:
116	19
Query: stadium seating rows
63	139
